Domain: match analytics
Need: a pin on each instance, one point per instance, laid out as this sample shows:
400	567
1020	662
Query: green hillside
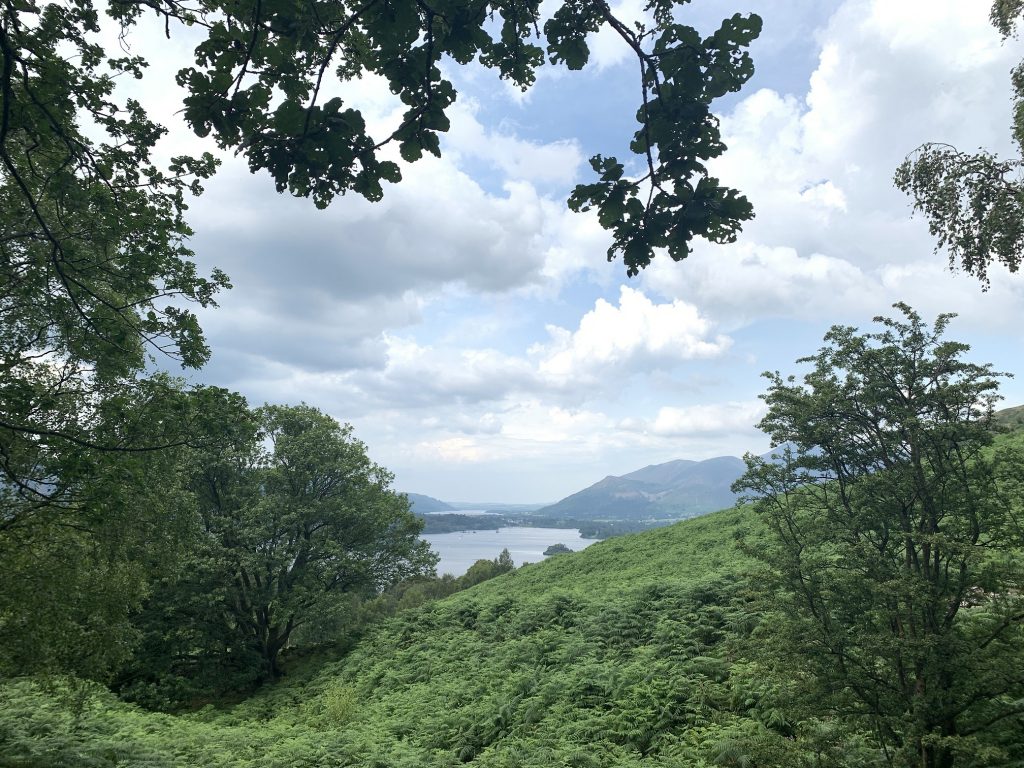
616	655
422	504
643	650
1011	418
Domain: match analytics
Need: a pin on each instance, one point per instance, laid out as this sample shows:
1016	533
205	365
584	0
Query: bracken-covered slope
616	655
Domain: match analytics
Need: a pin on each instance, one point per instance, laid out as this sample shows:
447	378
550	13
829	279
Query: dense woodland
189	579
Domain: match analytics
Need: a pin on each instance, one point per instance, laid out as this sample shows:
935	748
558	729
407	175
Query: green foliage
294	523
557	549
94	267
415	591
622	654
257	85
483	570
894	557
448	523
84	537
974	204
94	272
682	73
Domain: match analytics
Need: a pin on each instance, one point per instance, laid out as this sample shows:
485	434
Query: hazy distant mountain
675	489
679	488
422	504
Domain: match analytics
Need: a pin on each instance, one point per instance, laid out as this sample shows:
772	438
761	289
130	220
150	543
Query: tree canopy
85	527
895	551
289	523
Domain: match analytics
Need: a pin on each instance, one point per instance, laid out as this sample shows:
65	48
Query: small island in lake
556	549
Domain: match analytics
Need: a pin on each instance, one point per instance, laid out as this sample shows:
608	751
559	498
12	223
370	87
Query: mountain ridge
671	490
422	504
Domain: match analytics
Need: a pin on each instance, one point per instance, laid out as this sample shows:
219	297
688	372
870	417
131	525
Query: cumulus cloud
418	375
610	344
716	419
552	163
340	279
636	332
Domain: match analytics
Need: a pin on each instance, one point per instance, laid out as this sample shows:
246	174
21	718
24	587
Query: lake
461	549
467	512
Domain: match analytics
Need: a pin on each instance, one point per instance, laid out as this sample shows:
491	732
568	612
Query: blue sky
469	326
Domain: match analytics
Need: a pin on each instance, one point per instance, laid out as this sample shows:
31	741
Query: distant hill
1011	418
423	504
675	489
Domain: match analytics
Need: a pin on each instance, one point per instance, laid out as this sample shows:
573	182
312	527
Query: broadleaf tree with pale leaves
974	201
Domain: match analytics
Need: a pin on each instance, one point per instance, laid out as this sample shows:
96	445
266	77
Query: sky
469	326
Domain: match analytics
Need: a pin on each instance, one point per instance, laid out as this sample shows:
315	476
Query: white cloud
530	429
742	283
454	450
717	419
610	344
636	332
556	162
344	276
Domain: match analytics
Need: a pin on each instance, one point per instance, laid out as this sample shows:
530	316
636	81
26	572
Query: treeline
438	522
589	529
597	529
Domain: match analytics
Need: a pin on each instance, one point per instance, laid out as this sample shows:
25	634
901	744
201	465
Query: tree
557	549
84	535
974	203
292	523
895	541
94	268
93	271
484	570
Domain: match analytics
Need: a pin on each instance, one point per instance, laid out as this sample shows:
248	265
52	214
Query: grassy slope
621	654
613	655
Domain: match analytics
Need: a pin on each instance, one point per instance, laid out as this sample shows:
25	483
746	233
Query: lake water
460	550
467	512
